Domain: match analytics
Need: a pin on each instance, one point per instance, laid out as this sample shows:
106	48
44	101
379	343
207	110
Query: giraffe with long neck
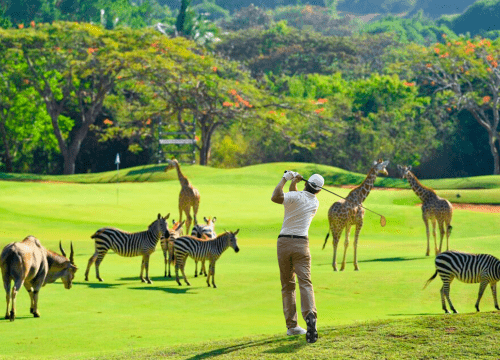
189	197
434	208
345	213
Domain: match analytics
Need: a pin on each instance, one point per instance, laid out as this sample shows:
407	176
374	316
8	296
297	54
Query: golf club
382	217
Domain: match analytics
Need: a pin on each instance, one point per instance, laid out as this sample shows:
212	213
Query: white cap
316	181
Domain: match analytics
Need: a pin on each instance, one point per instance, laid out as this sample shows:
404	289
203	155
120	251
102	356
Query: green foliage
248	17
417	29
481	18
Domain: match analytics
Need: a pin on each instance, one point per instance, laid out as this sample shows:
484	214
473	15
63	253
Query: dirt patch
484	208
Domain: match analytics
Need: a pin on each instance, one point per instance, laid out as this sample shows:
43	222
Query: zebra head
404	170
159	226
232	240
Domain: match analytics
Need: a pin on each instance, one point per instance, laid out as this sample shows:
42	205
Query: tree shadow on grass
285	346
98	285
170	290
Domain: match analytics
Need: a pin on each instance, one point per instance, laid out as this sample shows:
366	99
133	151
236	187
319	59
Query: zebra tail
326	239
432	278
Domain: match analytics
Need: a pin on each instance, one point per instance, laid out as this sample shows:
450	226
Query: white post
117	162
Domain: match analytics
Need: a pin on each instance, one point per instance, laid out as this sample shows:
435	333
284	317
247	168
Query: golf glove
289	175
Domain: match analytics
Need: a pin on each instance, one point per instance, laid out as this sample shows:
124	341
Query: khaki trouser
294	258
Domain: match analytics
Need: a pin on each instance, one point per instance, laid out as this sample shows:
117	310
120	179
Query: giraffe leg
482	287
494	292
426	222
434	234
336	239
346	245
448	233
188	219
195	210
441	234
356	237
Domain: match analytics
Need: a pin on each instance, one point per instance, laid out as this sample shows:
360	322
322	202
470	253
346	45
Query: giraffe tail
449	229
432	278
326	239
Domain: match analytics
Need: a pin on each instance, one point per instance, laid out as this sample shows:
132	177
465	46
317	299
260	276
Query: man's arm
278	195
293	184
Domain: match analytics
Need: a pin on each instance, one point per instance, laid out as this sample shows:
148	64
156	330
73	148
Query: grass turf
121	315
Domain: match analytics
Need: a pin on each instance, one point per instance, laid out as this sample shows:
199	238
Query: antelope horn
61	248
72	254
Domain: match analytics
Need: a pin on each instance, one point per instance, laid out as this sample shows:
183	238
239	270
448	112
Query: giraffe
433	208
188	197
345	213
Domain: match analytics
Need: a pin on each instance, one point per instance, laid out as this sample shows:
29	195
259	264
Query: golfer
293	251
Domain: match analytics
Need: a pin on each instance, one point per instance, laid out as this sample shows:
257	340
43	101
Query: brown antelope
28	263
167	244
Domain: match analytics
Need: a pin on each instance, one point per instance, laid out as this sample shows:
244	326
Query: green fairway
122	314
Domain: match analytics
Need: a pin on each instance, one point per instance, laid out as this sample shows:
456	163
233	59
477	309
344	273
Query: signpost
117	162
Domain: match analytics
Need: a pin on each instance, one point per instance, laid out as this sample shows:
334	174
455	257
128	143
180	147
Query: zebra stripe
198	231
127	244
468	268
185	246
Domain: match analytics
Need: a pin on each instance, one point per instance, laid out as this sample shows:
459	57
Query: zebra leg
346	245
196	268
183	273
203	269
177	273
212	270
482	287
145	266
165	260
446	293
92	260
494	292
100	257
443	302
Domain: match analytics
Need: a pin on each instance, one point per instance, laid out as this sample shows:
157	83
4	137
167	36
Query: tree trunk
492	141
7	157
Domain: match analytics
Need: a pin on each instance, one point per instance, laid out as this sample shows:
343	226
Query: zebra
185	246
127	244
468	268
206	232
167	244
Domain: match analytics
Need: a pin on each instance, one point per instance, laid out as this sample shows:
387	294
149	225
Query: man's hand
289	175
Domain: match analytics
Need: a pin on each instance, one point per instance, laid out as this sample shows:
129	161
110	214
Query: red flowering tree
466	72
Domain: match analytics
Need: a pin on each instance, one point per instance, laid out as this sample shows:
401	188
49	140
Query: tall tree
73	67
466	72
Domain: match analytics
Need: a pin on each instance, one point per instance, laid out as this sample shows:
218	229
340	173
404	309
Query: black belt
293	236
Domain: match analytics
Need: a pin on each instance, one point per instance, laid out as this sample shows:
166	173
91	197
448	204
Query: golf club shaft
331	192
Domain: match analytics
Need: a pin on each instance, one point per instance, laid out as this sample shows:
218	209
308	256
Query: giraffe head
171	164
404	171
379	167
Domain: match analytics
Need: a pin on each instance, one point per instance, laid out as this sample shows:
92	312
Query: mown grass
123	317
469	336
333	176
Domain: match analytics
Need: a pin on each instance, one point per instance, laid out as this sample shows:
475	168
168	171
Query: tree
73	67
465	72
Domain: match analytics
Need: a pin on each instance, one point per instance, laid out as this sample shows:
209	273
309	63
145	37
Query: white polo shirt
300	208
